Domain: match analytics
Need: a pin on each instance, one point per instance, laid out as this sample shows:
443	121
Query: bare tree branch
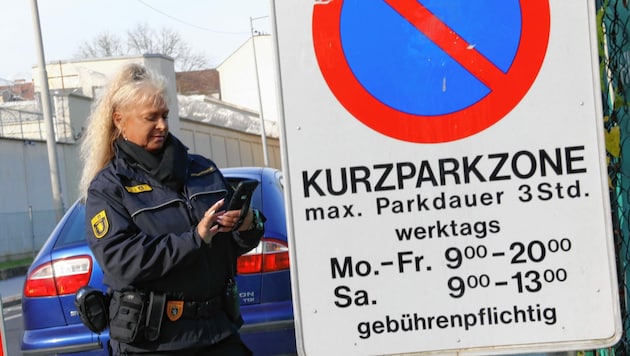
103	45
142	39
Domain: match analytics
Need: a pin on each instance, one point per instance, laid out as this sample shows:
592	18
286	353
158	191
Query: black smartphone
242	195
242	198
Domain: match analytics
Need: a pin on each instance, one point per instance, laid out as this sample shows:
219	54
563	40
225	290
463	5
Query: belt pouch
157	301
128	316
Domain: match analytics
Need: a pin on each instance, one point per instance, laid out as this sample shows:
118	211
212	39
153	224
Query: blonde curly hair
132	85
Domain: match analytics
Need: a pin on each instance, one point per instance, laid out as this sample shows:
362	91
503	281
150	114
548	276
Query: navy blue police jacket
143	235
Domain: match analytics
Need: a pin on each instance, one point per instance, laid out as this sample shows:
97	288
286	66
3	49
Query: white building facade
239	84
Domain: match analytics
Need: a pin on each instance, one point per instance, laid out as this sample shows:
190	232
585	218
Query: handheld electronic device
242	199
242	195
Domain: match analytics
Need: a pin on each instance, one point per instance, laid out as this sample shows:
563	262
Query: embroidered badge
100	224
139	188
174	309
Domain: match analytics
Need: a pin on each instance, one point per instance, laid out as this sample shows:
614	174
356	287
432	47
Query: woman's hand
209	225
231	217
215	221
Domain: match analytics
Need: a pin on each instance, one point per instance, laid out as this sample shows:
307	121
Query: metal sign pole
47	111
263	134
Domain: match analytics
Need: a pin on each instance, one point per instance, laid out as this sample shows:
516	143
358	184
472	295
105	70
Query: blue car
65	263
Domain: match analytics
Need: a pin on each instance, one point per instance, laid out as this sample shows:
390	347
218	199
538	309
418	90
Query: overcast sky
215	28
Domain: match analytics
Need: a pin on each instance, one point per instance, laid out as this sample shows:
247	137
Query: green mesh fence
614	51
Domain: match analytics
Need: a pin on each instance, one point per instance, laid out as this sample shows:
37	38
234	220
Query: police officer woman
157	225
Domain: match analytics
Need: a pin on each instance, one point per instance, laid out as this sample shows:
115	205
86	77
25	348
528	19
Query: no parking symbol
430	71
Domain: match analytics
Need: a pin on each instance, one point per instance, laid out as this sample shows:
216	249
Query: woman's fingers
220	221
217	205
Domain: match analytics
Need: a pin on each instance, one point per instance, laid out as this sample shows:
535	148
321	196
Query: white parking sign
446	176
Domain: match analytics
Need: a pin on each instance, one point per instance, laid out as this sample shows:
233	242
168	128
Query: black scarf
167	165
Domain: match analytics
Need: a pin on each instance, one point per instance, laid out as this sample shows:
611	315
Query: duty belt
176	309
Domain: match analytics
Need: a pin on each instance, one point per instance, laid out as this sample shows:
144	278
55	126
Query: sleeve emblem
100	224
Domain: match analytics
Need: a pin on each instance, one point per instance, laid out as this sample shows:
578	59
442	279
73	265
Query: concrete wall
26	203
228	148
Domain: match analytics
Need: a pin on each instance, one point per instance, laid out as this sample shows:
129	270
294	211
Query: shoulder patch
139	188
100	224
